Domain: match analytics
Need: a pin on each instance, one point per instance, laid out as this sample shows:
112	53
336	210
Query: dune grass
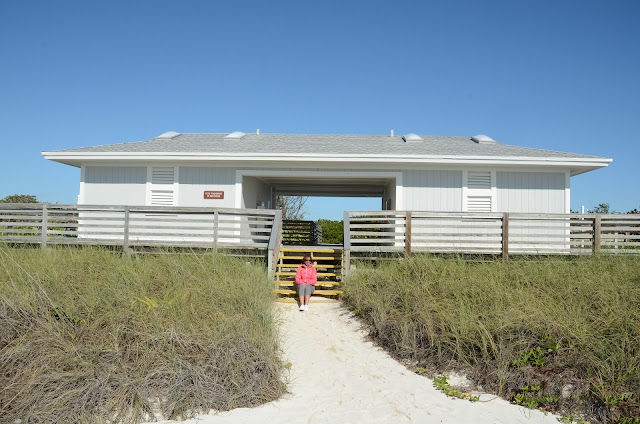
560	334
90	336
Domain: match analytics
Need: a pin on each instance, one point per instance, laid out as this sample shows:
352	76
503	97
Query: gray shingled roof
325	145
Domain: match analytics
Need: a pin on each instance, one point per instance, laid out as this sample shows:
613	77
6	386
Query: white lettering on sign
214	194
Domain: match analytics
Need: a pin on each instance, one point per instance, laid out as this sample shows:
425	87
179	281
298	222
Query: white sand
337	376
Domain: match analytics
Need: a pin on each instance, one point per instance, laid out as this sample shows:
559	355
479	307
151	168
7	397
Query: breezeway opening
328	198
332	208
329	194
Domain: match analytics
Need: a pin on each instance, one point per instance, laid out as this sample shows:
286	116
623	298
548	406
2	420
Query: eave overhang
576	165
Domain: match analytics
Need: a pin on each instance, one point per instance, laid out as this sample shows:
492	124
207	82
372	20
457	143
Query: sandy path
337	376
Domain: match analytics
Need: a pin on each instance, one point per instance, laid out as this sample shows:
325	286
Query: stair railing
275	241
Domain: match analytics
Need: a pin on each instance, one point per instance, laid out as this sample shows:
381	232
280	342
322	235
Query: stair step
315	258
317	292
327	260
320	274
291	278
319	283
321	266
315	300
310	250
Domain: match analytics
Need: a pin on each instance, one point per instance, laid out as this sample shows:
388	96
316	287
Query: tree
20	198
602	208
292	206
332	231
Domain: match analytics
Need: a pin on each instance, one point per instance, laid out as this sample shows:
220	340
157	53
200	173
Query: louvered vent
162	193
479	194
479	180
479	203
162	175
162	197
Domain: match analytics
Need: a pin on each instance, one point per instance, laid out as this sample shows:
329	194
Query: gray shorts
306	289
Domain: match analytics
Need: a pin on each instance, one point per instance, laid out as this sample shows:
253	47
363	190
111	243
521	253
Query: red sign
214	194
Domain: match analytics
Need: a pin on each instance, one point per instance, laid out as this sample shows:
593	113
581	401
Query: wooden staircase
328	263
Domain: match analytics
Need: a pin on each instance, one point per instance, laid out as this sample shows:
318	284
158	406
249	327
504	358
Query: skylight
483	139
235	134
169	134
411	137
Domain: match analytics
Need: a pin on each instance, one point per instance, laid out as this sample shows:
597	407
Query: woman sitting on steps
306	279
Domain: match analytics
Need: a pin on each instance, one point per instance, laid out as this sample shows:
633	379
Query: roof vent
169	134
411	137
483	139
235	135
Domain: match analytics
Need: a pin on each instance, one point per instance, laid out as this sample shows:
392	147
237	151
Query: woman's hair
305	256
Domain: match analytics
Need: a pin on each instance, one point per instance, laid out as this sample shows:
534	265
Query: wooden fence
136	226
366	234
504	234
300	232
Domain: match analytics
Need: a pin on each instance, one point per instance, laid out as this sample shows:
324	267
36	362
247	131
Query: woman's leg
301	292
308	292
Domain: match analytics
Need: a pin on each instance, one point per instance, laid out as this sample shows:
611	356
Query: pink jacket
306	275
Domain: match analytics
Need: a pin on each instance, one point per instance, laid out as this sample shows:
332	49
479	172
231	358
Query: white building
411	172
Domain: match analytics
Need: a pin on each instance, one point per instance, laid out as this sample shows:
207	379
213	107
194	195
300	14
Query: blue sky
560	75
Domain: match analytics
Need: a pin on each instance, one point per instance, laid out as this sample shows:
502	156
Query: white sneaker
306	307
301	308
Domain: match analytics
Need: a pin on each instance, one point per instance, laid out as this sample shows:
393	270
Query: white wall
432	190
419	190
254	190
194	181
390	197
113	185
441	190
531	192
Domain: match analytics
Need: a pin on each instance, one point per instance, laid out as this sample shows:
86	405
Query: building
410	172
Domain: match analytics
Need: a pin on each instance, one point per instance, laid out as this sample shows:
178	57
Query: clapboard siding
425	190
433	190
114	185
195	180
207	175
116	174
531	192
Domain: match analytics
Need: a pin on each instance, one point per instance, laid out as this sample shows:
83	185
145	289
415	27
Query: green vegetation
19	198
532	397
332	231
559	334
89	336
441	383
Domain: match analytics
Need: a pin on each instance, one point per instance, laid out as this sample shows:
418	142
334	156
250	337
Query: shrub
568	327
332	231
89	336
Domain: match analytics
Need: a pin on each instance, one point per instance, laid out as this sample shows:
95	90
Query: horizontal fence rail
400	232
136	226
301	232
491	233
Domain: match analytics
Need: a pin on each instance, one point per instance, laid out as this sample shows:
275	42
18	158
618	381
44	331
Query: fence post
216	223
273	251
125	235
44	226
505	235
597	228
346	245
407	233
